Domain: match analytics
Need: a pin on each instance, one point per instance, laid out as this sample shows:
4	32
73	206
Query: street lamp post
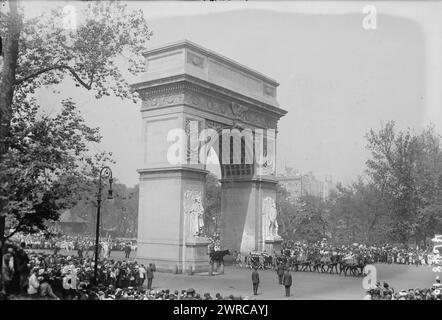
105	172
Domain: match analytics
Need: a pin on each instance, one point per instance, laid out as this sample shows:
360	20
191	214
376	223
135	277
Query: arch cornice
193	92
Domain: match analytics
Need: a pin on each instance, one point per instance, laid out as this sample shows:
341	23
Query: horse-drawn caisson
321	260
259	260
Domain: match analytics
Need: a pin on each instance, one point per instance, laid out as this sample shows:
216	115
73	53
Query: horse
361	262
325	263
354	264
315	263
218	256
333	264
303	262
345	264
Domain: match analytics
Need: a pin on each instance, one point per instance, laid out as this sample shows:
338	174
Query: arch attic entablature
188	75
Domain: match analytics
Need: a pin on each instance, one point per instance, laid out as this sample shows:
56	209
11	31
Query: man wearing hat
22	261
287	281
437	284
142	275
149	274
68	289
34	284
190	294
46	291
127	250
255	281
280	272
8	270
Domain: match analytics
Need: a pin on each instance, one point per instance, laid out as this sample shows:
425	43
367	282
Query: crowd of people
385	292
46	274
40	275
324	257
374	254
82	243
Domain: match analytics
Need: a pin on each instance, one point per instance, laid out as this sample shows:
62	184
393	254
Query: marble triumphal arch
194	100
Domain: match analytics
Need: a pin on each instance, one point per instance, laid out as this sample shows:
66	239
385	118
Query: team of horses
352	265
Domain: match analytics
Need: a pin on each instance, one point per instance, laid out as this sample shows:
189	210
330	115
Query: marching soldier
149	273
280	272
255	280
437	284
287	281
127	250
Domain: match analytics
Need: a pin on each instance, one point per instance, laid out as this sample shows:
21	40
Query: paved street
306	285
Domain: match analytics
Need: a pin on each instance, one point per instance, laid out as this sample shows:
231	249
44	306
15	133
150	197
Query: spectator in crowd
385	292
8	271
22	262
190	294
34	284
142	275
149	273
255	281
65	277
46	291
437	284
280	272
127	250
287	281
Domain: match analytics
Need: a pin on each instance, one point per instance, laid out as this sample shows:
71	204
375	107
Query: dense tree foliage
47	162
406	169
42	156
301	219
119	216
399	201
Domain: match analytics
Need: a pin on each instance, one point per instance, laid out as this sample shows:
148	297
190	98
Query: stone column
162	231
162	237
241	213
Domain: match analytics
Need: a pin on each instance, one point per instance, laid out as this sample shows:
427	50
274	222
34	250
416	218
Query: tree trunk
7	80
10	49
2	239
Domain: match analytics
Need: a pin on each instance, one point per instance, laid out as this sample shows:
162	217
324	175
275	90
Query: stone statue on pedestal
194	213
270	219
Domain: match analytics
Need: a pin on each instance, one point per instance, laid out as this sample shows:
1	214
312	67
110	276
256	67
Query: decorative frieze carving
182	94
208	103
156	101
238	111
214	125
196	60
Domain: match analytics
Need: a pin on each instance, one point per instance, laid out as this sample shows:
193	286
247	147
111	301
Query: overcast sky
337	80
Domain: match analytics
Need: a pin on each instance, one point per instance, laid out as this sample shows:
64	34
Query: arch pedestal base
273	245
162	235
